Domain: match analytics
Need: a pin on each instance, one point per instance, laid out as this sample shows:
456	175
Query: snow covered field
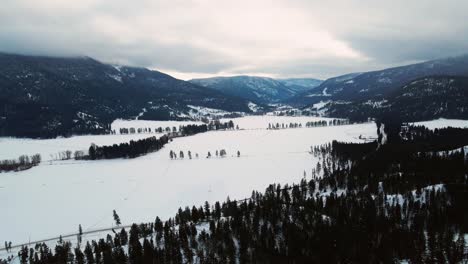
12	148
120	123
246	122
54	198
261	122
442	122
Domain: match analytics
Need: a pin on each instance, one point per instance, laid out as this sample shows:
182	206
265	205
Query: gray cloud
276	38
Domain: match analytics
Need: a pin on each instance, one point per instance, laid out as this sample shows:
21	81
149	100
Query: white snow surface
55	197
200	111
442	122
12	148
320	104
254	107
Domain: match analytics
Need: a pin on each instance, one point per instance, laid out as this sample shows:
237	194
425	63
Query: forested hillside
378	85
51	96
427	98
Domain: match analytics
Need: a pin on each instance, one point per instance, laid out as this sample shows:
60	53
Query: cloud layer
192	38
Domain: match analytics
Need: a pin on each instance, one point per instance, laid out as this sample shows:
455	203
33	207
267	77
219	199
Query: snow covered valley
56	196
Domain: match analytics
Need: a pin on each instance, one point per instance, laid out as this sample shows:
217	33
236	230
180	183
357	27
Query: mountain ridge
381	83
426	98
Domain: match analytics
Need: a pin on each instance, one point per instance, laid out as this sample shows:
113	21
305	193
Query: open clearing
12	148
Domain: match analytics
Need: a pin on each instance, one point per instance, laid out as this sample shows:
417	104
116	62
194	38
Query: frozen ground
12	148
54	198
442	122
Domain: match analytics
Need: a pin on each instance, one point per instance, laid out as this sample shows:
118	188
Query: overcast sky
200	38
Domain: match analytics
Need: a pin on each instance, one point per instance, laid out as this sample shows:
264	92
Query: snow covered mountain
261	90
49	96
376	85
426	98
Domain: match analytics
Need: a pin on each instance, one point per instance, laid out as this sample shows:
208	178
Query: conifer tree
116	218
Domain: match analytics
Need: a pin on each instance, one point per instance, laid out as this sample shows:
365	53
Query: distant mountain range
261	90
48	96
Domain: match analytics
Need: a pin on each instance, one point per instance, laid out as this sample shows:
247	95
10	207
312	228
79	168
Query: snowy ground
12	148
54	198
442	122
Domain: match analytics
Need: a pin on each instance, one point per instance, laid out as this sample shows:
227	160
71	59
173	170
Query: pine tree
88	252
116	218
80	234
79	256
135	250
123	237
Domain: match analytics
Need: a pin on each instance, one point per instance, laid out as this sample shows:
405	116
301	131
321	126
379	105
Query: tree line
210	125
24	162
319	123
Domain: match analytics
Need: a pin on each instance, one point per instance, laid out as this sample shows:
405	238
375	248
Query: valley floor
55	197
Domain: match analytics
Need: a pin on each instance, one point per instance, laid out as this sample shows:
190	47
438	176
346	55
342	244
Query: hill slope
379	84
422	99
49	96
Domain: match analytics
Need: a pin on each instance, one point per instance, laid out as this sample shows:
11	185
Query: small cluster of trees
217	125
127	150
8	246
67	155
219	153
173	155
334	122
282	125
213	125
24	162
320	123
140	130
